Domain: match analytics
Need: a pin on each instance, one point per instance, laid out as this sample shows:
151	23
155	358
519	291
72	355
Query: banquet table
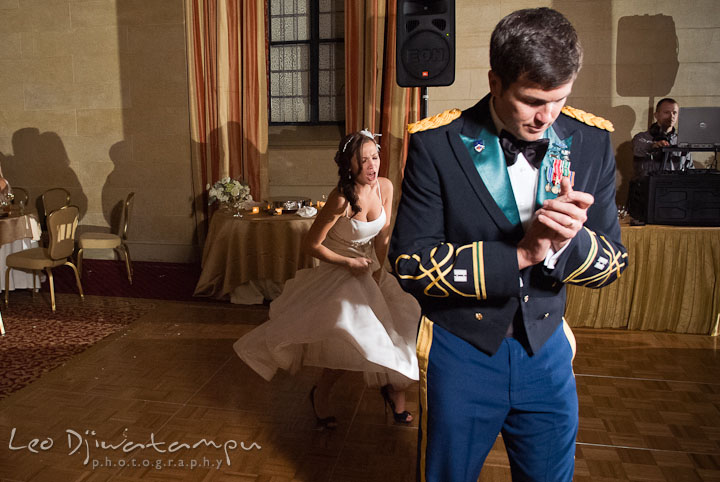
672	283
17	233
250	258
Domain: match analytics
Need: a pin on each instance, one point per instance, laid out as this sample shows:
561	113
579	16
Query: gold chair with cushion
62	225
89	240
54	198
20	195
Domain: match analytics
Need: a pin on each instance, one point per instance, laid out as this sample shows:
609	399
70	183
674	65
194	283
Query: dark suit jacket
454	248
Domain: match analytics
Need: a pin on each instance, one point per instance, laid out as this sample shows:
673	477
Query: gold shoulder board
588	118
437	120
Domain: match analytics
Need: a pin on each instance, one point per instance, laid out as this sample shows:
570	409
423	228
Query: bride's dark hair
348	148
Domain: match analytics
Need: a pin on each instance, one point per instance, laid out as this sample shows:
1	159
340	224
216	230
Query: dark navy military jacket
455	237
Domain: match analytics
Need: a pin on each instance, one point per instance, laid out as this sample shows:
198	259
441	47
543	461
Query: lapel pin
479	145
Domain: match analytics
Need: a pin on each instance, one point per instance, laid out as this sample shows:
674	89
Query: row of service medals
560	156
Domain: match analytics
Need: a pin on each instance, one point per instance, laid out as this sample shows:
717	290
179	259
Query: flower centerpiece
233	194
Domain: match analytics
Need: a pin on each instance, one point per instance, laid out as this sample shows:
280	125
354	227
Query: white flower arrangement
233	192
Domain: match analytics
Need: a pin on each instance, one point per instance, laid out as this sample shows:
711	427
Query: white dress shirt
524	179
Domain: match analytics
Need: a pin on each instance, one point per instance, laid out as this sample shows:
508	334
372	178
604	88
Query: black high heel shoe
322	423
403	417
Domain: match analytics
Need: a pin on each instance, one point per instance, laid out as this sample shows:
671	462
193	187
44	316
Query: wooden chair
89	240
62	225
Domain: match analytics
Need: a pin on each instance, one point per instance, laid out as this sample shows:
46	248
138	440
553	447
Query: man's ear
495	84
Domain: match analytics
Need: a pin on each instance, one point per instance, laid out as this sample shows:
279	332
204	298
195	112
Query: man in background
647	146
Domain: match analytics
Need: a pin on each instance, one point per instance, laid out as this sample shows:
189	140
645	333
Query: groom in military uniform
502	206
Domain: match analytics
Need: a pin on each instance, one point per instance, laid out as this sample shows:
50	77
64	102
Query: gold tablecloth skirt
672	283
254	247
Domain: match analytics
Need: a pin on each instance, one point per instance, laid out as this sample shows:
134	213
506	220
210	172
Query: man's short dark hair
662	101
538	43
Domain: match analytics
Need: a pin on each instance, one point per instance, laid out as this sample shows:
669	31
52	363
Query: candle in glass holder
278	211
320	204
256	209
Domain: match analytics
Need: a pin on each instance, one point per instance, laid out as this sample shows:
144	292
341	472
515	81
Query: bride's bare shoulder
386	186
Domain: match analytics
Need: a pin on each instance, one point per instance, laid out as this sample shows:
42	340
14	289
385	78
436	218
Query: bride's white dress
327	317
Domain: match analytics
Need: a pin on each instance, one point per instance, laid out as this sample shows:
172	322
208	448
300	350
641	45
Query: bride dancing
348	313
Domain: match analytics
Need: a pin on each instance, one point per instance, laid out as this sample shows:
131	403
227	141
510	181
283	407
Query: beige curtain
227	95
373	99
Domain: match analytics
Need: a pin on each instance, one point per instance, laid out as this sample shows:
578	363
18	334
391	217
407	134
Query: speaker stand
423	102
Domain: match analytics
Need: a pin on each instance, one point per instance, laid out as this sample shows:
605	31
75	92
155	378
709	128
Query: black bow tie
534	151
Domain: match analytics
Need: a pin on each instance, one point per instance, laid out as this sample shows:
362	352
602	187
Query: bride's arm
326	218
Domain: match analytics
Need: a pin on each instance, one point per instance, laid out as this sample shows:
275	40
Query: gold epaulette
437	120
588	118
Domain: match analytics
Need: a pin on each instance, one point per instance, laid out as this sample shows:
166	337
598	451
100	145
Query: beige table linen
17	227
255	247
18	233
671	284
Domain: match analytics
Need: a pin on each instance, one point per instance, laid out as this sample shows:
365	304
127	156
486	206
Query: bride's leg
327	381
396	400
398	397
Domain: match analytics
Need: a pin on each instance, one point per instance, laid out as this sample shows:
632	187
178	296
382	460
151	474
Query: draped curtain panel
373	99
226	45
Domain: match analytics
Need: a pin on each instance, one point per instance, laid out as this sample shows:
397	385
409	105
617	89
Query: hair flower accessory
366	133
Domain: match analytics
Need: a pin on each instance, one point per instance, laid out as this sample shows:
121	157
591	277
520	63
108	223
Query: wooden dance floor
169	391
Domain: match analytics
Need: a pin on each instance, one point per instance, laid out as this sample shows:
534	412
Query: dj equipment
425	44
700	127
688	198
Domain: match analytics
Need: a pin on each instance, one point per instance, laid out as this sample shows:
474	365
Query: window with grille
307	61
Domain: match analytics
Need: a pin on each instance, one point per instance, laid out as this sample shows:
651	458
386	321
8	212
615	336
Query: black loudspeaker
425	43
689	198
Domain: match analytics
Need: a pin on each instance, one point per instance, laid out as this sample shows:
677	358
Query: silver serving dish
288	203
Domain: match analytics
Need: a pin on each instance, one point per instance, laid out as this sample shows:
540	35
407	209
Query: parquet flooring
649	410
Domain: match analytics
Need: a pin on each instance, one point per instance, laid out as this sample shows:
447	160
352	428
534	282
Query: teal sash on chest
489	160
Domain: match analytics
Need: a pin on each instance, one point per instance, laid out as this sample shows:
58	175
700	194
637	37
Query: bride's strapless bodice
351	237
